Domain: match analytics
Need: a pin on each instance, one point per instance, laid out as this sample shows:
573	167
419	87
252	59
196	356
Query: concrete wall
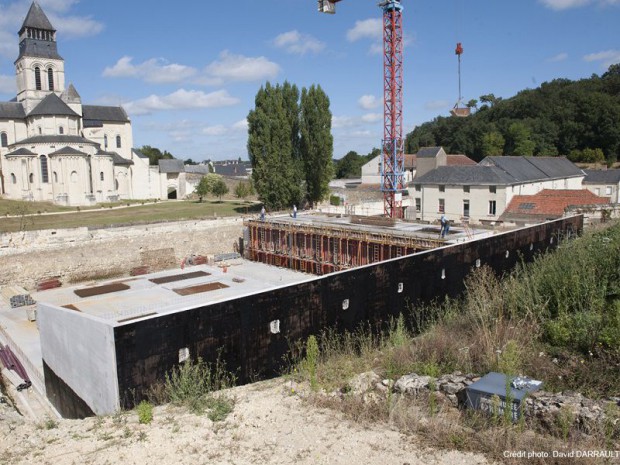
82	254
240	329
79	350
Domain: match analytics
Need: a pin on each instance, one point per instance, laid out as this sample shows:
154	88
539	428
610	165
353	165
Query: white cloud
73	27
241	125
559	57
368	102
155	70
241	68
217	130
180	100
559	5
7	85
436	104
342	122
372	117
607	58
297	43
366	29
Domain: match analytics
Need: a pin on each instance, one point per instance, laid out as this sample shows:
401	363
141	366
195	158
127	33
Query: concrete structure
126	334
371	171
55	148
322	244
481	193
604	183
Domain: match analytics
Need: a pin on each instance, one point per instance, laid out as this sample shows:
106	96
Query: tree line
290	145
579	119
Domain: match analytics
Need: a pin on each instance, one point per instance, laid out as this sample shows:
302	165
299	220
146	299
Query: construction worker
445	226
294	211
262	213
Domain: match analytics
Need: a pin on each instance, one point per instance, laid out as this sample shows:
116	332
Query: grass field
31	215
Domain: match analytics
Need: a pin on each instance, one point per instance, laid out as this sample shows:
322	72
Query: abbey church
54	148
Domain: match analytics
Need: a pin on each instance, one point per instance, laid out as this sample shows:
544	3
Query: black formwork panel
240	330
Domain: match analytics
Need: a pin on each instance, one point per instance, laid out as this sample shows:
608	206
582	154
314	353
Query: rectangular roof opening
98	290
179	277
200	288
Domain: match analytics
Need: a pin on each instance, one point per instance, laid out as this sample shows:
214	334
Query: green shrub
191	383
145	412
334	200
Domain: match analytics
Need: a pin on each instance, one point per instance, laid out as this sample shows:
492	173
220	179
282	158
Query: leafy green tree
220	188
206	184
587	155
273	145
155	154
243	190
519	140
316	143
489	99
472	104
493	144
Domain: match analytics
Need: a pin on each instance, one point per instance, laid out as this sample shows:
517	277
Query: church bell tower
39	69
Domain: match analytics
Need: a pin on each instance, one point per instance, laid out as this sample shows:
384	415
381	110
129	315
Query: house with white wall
605	183
480	193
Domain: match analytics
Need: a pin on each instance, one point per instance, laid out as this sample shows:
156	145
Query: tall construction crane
392	162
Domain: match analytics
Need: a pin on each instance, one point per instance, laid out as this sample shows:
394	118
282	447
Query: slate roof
429	152
12	110
52	105
68	151
99	114
197	169
139	154
602	177
36	19
21	151
116	158
466	175
171	166
529	169
58	139
549	203
233	169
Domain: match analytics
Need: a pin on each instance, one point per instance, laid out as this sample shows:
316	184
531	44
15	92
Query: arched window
55	174
118	142
4	139
101	176
116	184
50	78
37	78
13	178
44	173
61	130
105	142
31	178
73	176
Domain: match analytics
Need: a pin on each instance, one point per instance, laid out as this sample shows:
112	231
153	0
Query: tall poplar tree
317	142
273	141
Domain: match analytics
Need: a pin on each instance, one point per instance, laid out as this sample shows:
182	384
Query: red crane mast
393	160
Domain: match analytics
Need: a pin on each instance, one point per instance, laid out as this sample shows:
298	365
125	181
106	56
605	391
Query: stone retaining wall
82	254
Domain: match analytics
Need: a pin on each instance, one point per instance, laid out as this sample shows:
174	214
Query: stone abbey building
53	147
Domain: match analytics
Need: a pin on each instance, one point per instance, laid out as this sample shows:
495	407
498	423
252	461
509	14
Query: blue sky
187	71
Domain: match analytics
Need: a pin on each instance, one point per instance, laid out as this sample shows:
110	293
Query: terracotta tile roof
549	203
460	160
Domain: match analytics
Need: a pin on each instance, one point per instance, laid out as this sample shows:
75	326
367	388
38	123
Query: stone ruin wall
79	254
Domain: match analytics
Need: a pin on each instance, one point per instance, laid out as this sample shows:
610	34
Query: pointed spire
36	19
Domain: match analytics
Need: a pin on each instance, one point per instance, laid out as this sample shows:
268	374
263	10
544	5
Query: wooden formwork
321	249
